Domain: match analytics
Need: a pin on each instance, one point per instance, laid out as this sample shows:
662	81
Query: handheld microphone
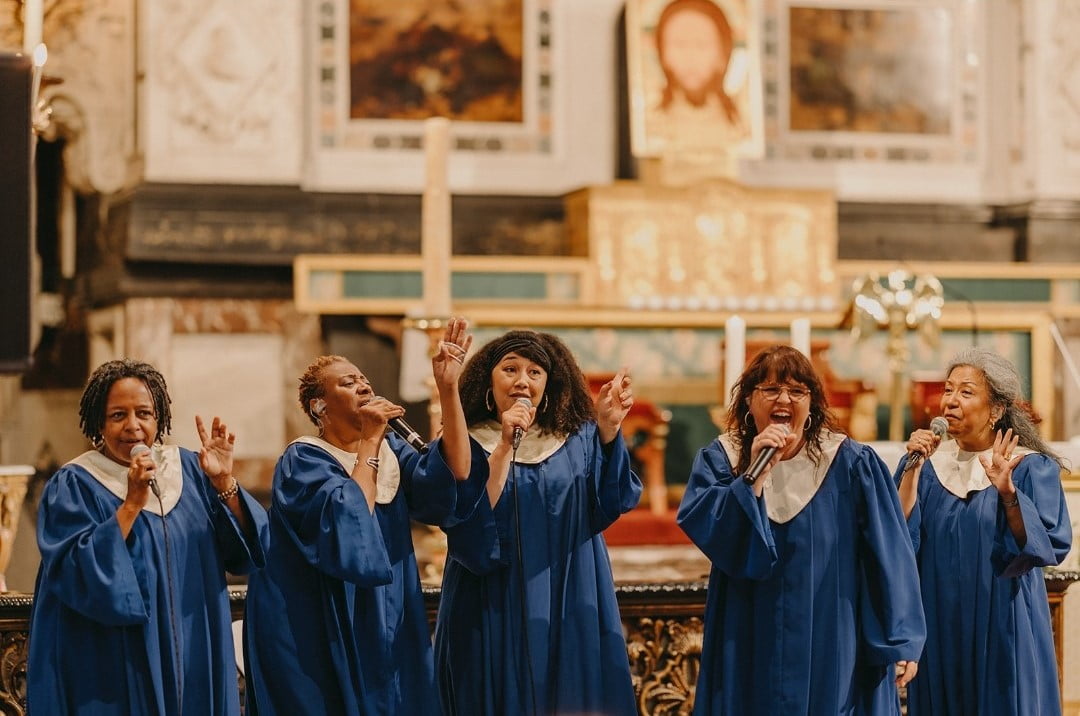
938	426
518	432
406	433
141	449
763	459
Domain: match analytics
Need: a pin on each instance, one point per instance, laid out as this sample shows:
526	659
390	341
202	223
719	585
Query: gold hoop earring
489	400
808	423
748	419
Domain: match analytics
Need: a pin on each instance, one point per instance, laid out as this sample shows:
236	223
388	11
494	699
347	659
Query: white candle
435	237
734	352
800	335
33	21
67	230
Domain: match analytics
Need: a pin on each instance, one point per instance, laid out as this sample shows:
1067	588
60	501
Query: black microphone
518	432
763	459
406	433
141	449
938	426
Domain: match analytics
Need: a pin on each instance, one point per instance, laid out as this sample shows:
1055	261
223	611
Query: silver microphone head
939	426
525	401
140	449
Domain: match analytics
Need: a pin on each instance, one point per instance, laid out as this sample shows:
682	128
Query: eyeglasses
796	393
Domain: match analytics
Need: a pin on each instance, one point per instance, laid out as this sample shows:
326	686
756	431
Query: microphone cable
173	622
524	586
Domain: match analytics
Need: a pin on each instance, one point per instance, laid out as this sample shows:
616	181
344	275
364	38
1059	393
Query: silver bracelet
373	462
231	492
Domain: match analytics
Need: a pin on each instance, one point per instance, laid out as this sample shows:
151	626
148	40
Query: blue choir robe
572	659
989	649
813	594
336	622
108	619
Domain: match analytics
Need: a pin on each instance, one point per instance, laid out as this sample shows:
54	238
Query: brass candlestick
899	302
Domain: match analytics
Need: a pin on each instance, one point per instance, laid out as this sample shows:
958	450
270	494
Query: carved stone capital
92	50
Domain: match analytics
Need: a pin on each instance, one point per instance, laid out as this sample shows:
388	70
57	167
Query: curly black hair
784	363
96	395
567	403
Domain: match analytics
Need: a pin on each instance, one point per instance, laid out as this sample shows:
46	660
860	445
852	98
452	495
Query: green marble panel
382	284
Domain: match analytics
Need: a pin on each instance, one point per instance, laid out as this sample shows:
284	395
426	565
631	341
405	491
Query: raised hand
612	404
449	358
216	454
1001	462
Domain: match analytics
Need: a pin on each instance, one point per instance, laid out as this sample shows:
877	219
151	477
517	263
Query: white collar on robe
113	476
792	483
960	472
536	446
388	477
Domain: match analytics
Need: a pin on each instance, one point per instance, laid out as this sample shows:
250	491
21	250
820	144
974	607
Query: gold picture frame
694	77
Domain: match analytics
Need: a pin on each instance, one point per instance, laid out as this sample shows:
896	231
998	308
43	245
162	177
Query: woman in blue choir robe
986	511
336	622
528	622
131	613
813	604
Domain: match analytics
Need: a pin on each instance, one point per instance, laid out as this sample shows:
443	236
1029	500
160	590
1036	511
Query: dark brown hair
785	364
567	403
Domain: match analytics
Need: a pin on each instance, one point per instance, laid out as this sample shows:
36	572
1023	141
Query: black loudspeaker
16	211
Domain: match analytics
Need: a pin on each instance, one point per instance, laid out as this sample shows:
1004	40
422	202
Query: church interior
228	189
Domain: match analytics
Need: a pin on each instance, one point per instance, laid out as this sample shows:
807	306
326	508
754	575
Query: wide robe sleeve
1046	520
327	517
613	486
241	553
476	532
914	520
85	561
721	515
429	484
892	618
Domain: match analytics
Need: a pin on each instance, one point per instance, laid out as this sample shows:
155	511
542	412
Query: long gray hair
1005	392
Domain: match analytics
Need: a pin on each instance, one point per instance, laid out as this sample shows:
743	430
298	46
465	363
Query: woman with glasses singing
812	606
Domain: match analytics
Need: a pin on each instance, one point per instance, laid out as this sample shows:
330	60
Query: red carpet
641	526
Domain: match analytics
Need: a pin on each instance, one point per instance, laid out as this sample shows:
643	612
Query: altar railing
662	621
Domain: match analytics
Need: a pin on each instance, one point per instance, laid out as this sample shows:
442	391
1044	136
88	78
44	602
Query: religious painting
859	70
414	59
876	80
499	70
694	76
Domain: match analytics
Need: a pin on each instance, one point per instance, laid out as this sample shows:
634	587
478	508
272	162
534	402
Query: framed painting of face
694	77
497	69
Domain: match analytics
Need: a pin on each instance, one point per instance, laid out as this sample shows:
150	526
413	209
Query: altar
662	620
